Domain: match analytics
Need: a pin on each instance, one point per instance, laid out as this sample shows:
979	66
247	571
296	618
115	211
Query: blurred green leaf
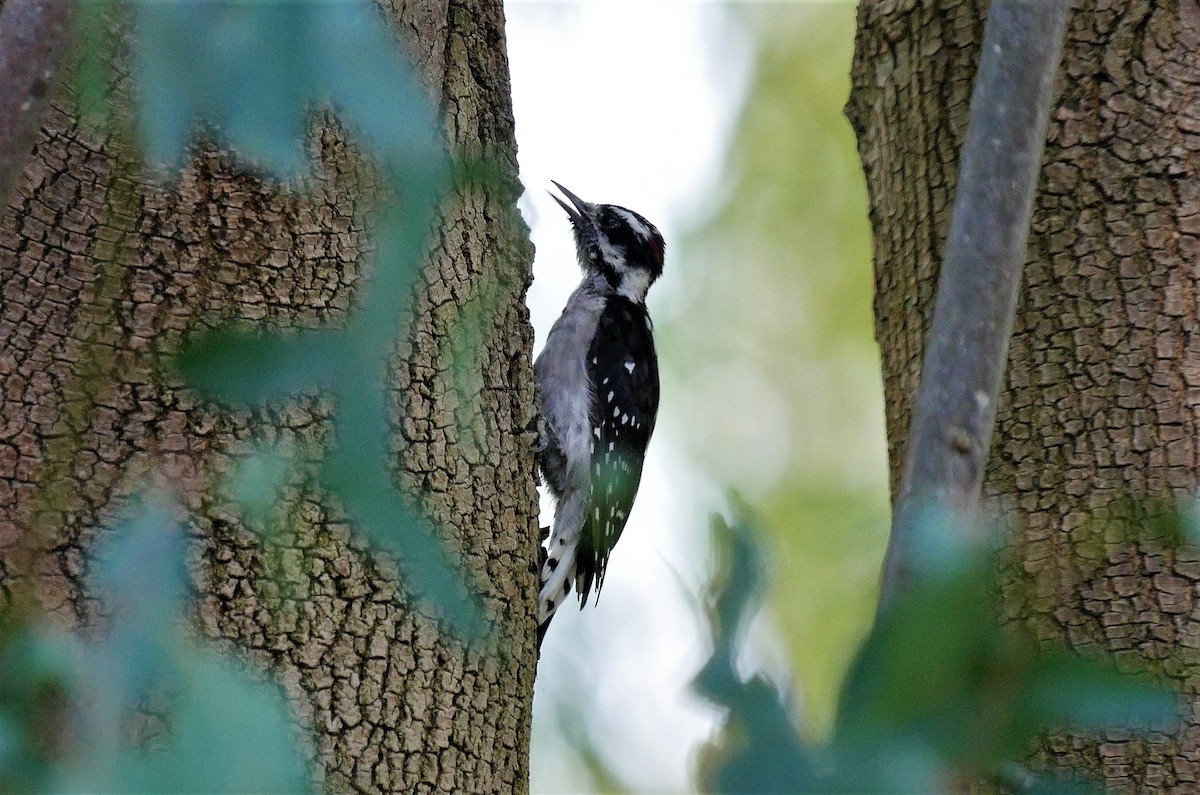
228	733
918	671
735	594
939	692
758	749
39	670
1090	695
1189	522
358	471
258	480
241	66
938	667
254	367
93	76
140	572
255	70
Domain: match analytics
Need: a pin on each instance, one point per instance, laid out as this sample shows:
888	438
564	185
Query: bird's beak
581	208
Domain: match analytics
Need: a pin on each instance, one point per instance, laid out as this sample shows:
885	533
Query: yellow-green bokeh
771	341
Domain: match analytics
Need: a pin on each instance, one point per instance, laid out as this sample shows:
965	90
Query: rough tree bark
101	272
1101	407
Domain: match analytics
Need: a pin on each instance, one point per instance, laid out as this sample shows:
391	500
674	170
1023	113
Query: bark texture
101	272
33	36
1101	407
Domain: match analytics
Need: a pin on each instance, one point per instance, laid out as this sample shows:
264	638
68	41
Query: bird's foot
543	436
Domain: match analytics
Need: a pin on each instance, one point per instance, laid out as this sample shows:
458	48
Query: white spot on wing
629	366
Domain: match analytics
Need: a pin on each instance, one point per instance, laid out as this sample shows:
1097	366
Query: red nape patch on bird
656	245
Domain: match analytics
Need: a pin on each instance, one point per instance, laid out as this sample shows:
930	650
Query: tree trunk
1101	408
101	272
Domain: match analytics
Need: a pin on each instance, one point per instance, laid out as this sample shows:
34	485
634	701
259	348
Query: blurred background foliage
784	376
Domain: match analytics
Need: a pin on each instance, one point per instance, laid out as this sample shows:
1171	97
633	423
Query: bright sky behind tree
625	103
723	126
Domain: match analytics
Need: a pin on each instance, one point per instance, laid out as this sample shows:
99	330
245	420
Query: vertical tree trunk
1101	409
101	272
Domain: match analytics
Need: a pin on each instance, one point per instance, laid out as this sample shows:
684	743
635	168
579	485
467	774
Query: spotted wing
623	370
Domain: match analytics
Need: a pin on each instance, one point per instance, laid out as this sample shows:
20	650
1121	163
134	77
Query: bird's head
622	246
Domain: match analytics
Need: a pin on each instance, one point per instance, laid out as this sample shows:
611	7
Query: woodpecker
598	376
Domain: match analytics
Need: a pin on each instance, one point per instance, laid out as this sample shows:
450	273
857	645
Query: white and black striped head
617	243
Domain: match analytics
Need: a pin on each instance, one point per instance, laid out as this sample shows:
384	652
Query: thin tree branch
33	38
955	410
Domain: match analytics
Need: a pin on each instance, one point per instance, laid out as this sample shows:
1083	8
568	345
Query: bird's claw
543	436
